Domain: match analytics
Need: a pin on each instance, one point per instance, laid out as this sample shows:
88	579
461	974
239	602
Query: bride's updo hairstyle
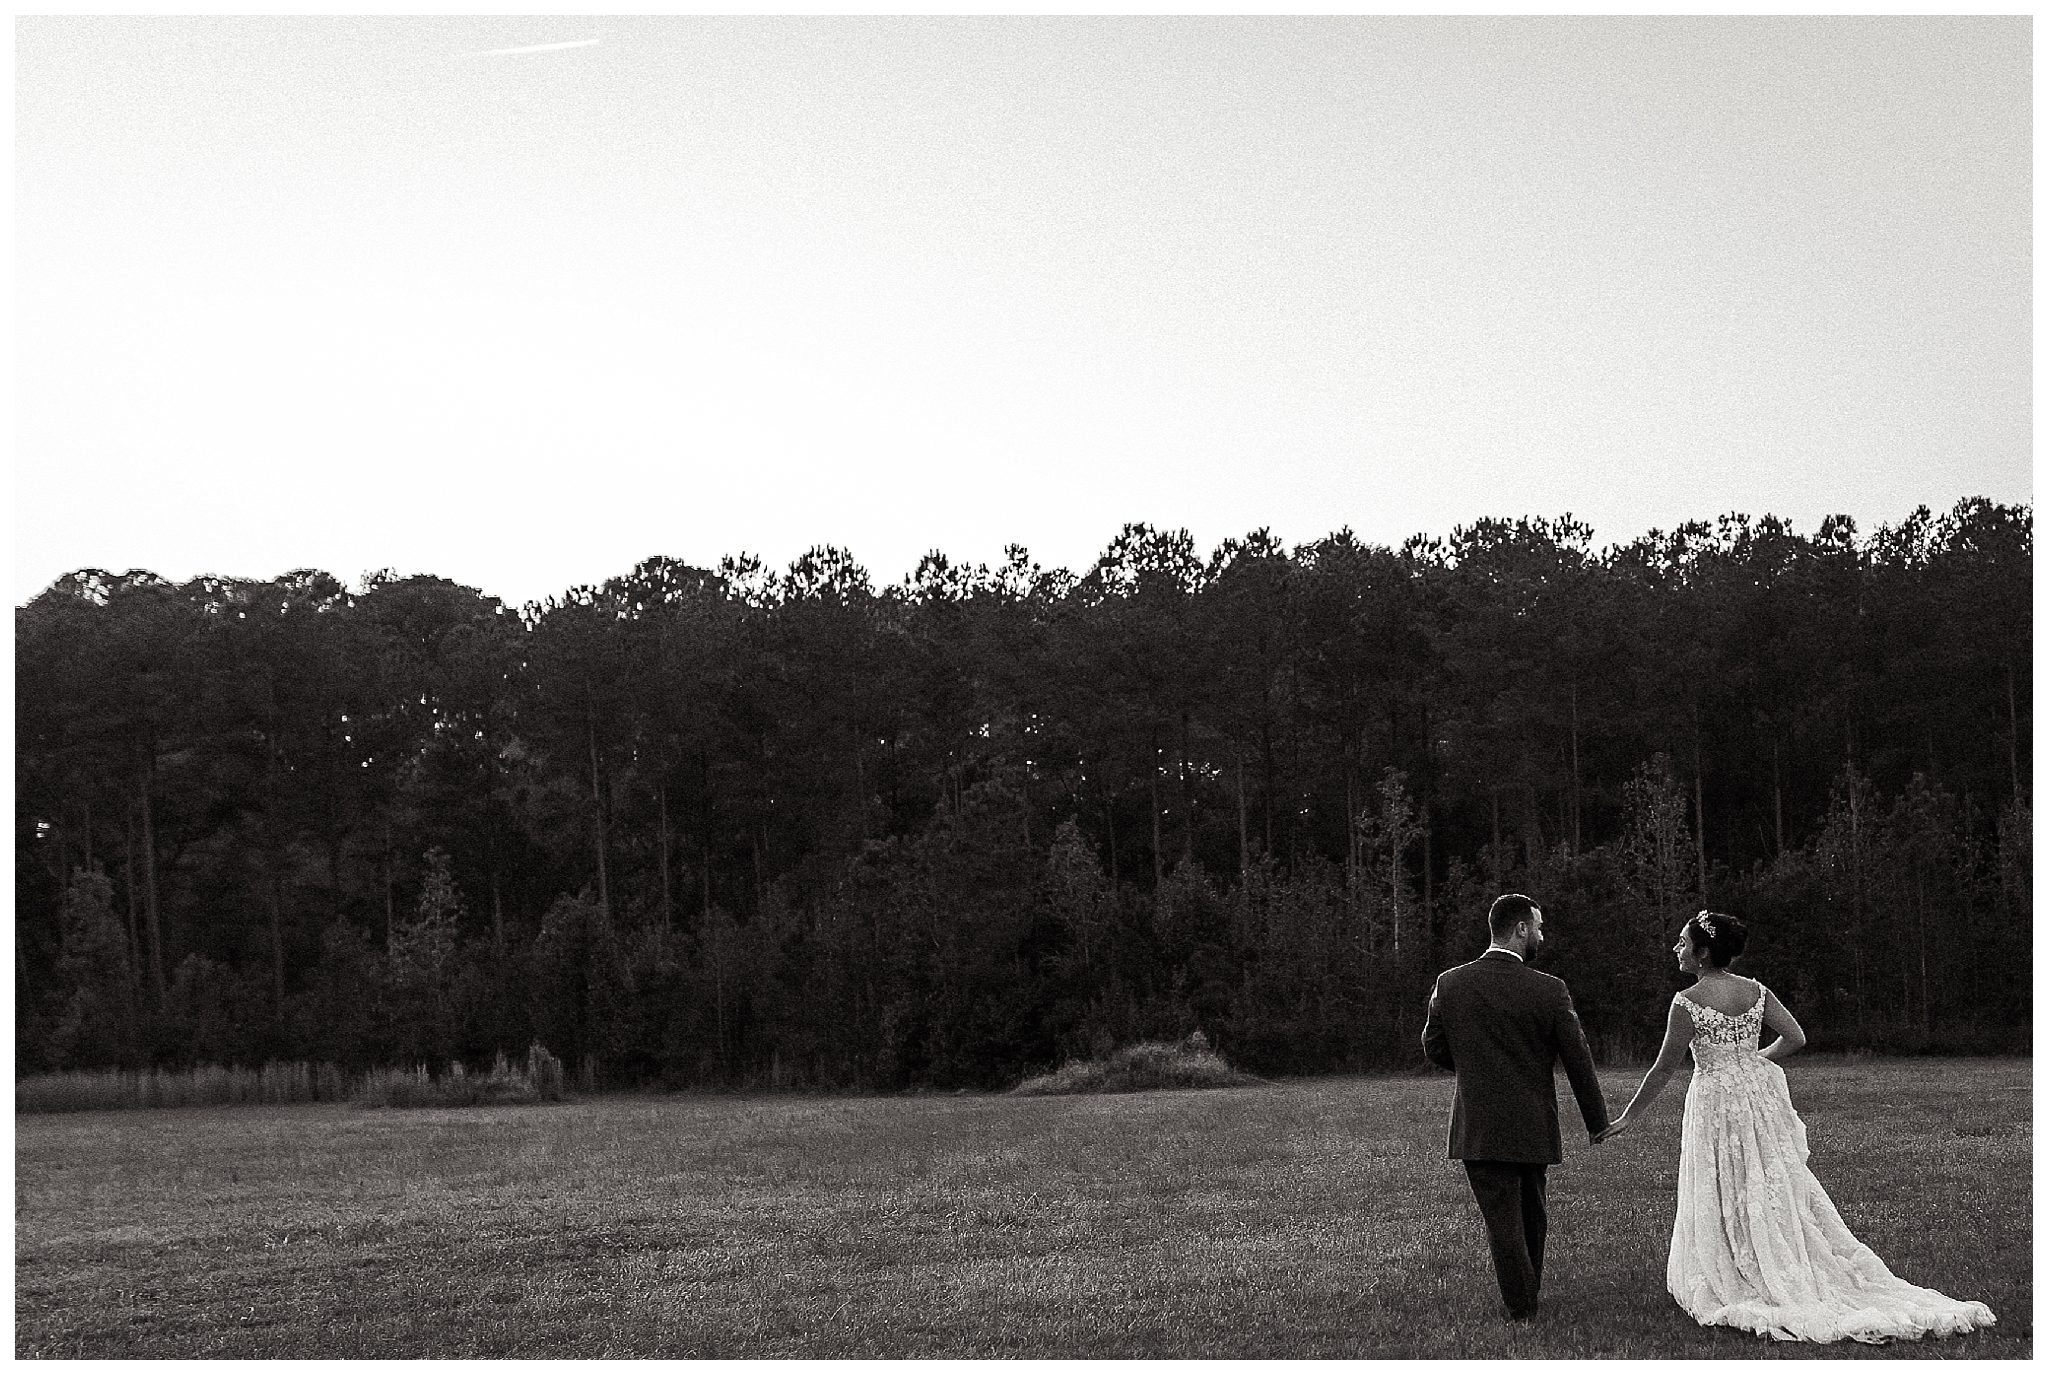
1718	936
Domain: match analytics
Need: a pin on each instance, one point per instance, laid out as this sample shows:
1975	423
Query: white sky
346	294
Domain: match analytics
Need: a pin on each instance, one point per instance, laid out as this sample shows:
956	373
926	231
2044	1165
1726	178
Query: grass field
1305	1218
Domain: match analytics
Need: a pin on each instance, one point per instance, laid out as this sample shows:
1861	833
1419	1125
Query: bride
1757	1244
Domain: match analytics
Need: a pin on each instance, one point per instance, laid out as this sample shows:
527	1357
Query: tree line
737	826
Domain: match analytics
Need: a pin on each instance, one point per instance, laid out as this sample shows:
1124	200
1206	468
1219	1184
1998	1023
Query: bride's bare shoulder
1724	995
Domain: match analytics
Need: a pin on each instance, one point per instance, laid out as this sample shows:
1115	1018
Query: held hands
1613	1129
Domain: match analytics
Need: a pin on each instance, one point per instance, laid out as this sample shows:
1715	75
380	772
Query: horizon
357	582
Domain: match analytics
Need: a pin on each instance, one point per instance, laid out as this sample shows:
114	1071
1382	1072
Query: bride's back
1731	997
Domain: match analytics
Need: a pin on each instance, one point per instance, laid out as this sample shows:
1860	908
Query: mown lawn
1306	1218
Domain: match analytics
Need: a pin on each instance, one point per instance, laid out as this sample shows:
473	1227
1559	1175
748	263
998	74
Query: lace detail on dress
1721	1041
1710	1026
1757	1243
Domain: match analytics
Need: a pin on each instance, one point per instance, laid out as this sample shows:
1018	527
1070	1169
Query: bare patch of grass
1297	1219
1133	1069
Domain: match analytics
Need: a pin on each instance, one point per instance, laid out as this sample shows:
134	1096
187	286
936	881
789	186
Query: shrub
540	1078
1189	1064
544	1072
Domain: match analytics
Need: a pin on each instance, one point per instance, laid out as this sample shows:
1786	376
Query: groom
1501	1027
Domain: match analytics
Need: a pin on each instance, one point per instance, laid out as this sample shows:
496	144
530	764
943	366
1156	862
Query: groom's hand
1612	1130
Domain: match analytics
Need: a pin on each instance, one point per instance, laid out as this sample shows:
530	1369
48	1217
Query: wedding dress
1757	1244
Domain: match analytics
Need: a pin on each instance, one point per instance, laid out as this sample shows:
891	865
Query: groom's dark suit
1502	1027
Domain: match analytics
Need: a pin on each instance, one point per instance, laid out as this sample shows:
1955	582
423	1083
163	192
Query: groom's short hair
1509	910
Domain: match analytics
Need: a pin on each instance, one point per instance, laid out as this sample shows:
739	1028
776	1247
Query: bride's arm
1677	1036
1779	1018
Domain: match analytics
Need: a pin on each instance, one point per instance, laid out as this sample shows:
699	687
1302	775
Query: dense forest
733	826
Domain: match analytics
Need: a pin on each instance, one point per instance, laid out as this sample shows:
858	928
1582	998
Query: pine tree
98	1024
419	957
421	945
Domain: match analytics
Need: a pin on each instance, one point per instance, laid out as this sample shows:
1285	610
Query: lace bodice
1718	1037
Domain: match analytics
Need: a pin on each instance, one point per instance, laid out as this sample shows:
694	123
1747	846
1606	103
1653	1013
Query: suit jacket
1501	1027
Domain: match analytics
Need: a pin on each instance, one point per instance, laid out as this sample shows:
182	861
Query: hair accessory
1705	922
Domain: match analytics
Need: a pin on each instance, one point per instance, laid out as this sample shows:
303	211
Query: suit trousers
1510	1195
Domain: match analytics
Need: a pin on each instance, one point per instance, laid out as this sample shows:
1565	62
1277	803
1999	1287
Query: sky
358	294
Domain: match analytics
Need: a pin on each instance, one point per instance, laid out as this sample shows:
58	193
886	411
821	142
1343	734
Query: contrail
535	48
